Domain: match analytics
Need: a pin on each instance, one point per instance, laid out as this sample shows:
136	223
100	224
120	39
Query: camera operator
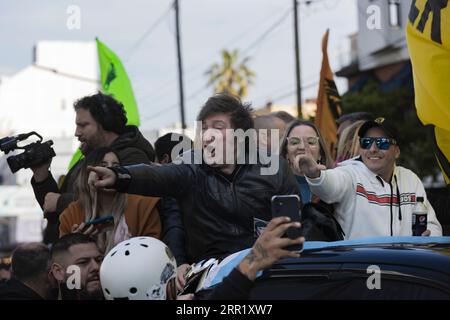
100	122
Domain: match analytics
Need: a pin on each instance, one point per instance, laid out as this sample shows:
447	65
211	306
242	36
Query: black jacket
172	230
131	148
15	290
218	211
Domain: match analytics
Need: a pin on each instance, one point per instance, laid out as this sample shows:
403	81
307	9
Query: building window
394	13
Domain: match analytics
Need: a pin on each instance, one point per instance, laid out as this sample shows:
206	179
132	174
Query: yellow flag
328	101
428	37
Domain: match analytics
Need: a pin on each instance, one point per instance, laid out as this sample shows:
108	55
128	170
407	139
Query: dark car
375	268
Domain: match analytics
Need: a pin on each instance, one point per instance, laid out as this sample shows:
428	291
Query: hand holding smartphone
288	205
101	223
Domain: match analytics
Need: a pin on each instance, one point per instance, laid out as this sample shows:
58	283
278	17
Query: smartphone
101	223
288	205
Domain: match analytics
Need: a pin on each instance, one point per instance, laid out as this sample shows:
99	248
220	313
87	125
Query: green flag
115	82
75	158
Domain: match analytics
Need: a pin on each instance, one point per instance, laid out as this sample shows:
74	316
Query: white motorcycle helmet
138	269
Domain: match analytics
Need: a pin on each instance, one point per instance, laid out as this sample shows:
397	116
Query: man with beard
372	195
75	265
100	122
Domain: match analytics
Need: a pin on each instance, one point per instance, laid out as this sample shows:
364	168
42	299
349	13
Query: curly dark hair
106	110
240	113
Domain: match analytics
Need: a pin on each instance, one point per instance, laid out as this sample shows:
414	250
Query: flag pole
180	65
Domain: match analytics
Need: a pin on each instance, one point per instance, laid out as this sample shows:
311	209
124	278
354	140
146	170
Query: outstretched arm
169	180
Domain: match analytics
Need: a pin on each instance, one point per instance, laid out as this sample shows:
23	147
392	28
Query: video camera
35	153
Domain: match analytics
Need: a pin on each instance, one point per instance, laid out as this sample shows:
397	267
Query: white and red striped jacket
367	206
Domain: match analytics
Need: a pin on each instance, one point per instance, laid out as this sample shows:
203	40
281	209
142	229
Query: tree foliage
232	75
398	105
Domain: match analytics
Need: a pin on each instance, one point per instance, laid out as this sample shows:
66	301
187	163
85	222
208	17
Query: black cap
382	123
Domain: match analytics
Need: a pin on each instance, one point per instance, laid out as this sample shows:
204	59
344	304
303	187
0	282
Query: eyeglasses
312	141
381	142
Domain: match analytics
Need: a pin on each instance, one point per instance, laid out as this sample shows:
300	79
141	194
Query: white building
40	97
20	215
379	50
382	42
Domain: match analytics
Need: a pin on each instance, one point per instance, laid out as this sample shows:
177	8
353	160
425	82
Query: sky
142	33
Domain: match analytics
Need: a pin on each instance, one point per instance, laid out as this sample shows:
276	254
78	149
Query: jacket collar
373	177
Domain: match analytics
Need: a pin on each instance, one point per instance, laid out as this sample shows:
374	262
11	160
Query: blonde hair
89	203
348	144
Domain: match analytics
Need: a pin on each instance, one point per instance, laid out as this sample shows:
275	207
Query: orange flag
328	101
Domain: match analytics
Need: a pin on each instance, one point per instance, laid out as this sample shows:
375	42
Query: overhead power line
195	93
160	112
267	32
285	93
263	36
67	75
147	33
196	76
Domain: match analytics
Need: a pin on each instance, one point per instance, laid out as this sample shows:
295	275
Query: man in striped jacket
372	196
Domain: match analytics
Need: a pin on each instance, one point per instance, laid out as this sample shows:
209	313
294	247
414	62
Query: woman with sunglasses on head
109	215
372	196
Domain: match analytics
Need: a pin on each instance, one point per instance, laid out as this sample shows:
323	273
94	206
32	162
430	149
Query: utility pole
297	61
180	65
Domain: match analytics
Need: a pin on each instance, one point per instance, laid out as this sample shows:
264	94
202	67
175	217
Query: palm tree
232	76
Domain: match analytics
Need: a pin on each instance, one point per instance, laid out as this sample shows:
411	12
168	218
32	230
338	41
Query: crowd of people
201	201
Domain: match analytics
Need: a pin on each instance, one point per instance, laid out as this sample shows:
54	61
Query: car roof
431	253
425	252
311	245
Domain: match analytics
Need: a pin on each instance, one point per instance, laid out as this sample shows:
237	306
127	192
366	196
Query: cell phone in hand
289	206
101	223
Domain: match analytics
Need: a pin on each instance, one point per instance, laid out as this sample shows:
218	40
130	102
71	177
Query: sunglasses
312	141
382	143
